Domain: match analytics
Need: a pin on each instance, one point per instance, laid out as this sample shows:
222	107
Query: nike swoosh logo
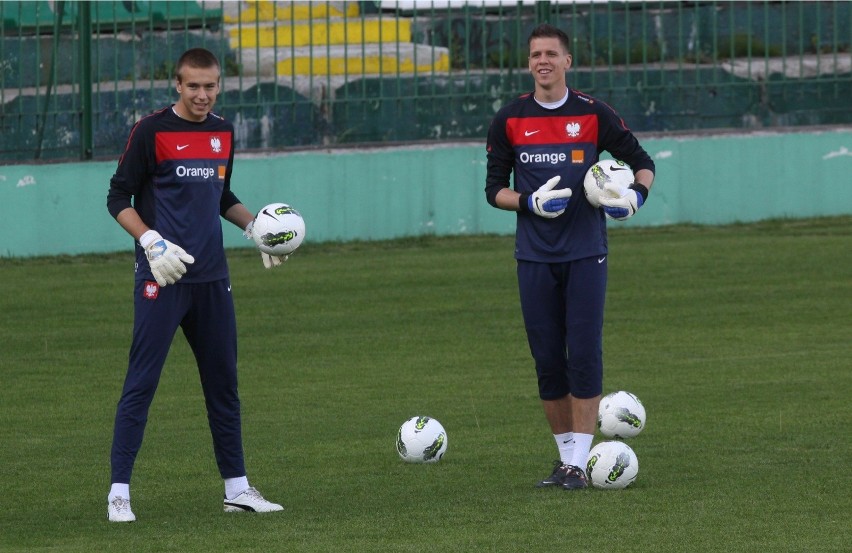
601	260
616	168
182	147
530	133
229	288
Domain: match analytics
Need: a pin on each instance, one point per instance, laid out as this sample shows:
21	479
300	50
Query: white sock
565	443
119	490
235	486
582	446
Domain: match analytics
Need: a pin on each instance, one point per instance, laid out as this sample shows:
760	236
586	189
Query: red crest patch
151	290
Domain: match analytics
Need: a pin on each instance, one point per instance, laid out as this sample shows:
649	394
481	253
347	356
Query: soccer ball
621	415
607	171
278	229
612	465
421	440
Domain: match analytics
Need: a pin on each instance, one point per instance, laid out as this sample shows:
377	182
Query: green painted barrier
379	194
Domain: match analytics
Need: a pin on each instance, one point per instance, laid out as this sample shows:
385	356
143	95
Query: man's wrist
640	189
524	202
148	238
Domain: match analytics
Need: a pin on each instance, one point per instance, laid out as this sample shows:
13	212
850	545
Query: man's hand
269	261
549	203
621	203
165	259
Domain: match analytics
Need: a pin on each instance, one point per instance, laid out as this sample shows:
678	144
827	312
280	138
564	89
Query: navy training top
178	173
537	144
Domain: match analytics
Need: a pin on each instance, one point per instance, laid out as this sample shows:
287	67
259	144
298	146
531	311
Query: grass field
737	339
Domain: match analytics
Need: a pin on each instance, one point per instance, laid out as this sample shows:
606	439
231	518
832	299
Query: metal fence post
84	25
542	12
51	78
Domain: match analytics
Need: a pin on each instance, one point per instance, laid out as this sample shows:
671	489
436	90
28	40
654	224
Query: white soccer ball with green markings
621	415
612	466
604	178
278	229
421	440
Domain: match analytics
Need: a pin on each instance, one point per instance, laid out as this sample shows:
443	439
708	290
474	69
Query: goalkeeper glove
623	203
269	261
165	259
546	202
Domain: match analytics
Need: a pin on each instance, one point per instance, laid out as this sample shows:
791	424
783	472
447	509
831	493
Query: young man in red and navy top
169	192
549	139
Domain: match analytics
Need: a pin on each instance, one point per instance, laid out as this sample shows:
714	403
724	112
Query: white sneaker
119	510
250	501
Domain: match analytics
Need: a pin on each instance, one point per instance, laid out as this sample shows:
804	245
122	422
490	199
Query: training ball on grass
278	229
621	415
612	465
421	440
616	173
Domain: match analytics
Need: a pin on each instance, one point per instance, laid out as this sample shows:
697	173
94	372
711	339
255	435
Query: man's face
548	63
198	88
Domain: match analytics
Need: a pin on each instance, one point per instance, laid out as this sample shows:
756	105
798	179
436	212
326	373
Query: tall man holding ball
169	192
549	139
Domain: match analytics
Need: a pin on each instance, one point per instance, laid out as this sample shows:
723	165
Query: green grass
736	338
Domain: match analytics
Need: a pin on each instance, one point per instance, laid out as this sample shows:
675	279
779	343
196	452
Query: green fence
75	75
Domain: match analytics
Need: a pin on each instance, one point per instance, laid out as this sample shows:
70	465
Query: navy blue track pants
563	308
205	313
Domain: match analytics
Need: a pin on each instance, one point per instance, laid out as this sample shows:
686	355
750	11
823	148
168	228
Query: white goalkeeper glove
623	203
547	202
165	259
269	261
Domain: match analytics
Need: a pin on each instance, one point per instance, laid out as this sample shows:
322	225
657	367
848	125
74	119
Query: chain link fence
76	75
